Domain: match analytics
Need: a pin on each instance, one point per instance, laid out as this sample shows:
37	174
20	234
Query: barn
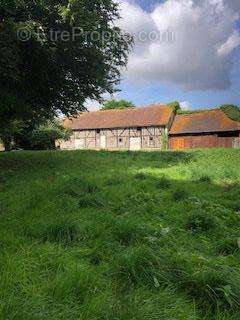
205	129
134	129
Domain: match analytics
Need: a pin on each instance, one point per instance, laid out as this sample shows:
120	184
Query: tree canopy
232	111
175	105
56	54
117	104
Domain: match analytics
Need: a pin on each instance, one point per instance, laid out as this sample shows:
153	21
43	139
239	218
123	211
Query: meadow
120	235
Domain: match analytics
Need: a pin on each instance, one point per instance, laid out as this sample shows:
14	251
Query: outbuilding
204	129
134	129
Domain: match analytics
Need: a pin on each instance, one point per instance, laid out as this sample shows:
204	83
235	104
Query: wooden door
178	143
135	143
79	144
103	142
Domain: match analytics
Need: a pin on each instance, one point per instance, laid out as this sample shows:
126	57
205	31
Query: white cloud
93	105
232	43
200	57
185	105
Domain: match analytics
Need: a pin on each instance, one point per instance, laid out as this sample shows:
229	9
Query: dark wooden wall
204	141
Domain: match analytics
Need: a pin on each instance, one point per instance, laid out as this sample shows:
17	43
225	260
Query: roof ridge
126	109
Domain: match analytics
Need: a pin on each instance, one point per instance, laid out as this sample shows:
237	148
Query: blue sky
165	86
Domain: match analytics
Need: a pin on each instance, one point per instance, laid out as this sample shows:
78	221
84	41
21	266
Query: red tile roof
155	115
204	121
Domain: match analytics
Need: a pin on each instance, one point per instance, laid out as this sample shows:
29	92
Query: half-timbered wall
147	137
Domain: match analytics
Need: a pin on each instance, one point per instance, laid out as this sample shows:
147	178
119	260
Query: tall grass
127	235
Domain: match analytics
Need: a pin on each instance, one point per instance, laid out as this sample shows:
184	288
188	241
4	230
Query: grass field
119	236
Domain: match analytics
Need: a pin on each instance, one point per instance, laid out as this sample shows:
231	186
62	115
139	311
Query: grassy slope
97	235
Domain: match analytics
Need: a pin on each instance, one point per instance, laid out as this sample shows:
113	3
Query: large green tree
117	104
56	54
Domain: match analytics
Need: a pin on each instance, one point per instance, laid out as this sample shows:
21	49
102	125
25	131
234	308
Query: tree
175	105
43	137
56	54
232	111
114	104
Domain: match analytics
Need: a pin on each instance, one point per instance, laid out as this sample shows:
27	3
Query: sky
185	50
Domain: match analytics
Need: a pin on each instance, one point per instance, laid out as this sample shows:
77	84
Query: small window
151	138
120	140
139	129
98	131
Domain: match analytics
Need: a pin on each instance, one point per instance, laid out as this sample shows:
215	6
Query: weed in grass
89	202
71	285
214	288
136	265
163	183
128	232
64	233
205	179
140	176
228	246
180	194
114	181
200	222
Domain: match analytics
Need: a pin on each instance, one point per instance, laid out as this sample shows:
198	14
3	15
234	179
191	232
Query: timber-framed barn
134	129
149	128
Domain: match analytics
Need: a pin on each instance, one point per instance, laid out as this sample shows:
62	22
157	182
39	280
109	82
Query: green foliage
175	105
47	72
8	131
45	136
232	111
200	222
180	194
165	139
81	243
117	104
141	176
163	183
205	179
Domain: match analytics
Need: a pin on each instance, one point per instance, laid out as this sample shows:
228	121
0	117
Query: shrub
232	111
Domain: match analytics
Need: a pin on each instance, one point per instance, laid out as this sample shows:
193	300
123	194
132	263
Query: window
98	131
139	129
151	138
120	140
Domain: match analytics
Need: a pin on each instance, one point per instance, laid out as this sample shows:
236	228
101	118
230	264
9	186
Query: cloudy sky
185	50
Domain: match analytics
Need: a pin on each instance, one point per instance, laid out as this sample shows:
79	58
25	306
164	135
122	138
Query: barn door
178	143
79	144
135	143
103	142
